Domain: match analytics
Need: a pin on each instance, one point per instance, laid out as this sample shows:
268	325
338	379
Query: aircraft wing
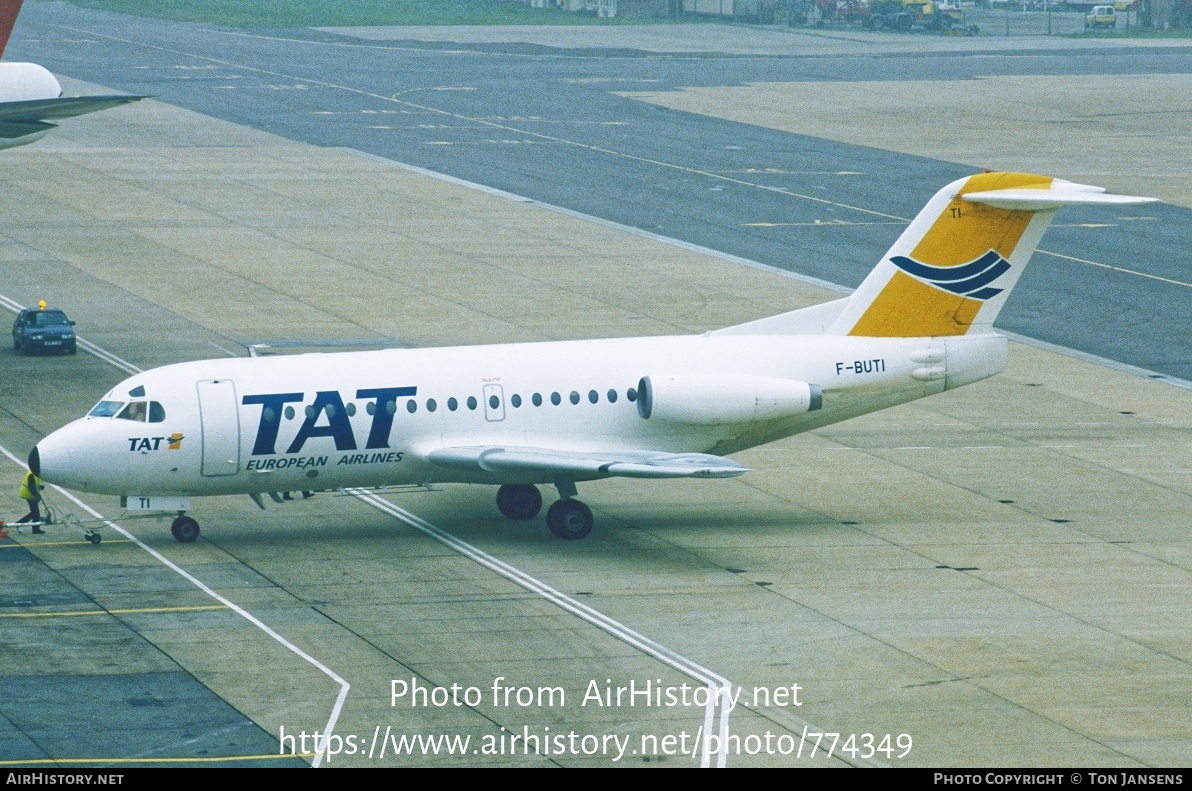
35	110
623	463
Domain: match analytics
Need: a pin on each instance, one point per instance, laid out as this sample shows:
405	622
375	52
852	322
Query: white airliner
565	412
31	98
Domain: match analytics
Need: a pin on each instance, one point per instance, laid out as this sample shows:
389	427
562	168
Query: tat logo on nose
174	442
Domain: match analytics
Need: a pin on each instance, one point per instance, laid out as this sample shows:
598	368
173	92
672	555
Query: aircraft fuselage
319	421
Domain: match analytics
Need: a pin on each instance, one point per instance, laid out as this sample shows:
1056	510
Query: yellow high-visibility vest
26	493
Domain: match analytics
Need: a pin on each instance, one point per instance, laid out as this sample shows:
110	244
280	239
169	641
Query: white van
1101	16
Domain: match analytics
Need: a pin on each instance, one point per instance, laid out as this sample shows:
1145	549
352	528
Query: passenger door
220	420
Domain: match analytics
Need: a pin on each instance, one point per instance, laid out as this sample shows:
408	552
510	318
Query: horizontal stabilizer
1062	193
952	269
622	463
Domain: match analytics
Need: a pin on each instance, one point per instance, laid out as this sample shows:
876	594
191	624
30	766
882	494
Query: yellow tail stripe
966	231
907	308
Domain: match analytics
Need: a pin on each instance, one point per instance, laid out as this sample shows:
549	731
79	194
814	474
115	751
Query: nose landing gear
185	529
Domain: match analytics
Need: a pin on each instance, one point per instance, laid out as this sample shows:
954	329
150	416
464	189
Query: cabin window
631	394
612	396
452	404
574	397
556	399
593	396
351	410
537	399
391	407
137	410
431	406
309	412
493	402
289	413
515	399
472	402
157	412
330	408
268	415
411	406
105	409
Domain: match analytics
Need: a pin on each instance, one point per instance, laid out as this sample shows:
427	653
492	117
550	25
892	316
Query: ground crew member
31	494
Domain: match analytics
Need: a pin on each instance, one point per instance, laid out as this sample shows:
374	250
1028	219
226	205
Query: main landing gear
185	529
520	501
568	519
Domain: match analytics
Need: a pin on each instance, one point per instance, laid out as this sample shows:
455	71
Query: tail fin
8	17
953	267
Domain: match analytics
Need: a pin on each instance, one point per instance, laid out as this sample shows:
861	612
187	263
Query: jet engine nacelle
715	400
24	82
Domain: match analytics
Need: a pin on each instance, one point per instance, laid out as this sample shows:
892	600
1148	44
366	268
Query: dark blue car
45	329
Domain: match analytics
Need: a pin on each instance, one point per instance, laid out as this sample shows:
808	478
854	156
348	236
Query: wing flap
624	463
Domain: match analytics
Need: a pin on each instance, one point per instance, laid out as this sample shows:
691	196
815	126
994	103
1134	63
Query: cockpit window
105	409
137	410
157	413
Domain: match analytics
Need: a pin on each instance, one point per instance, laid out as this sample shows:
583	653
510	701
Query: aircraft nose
51	460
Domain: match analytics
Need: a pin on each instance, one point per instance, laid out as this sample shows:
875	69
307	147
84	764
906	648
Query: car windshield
50	318
105	409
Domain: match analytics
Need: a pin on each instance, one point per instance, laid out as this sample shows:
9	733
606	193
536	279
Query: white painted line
343	685
780	717
814	281
714	682
679	243
1104	362
1123	270
129	368
718	685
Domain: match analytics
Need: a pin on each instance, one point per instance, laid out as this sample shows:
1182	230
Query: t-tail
953	268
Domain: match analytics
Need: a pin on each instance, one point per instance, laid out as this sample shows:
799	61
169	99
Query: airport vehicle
900	15
43	329
1101	16
905	14
562	413
31	98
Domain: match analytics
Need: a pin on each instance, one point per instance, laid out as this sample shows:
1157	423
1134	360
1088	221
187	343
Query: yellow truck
906	14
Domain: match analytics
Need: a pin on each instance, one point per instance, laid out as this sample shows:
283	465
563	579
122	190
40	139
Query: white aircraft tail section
953	267
951	270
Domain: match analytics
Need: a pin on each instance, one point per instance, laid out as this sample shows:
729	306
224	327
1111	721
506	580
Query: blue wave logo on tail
969	280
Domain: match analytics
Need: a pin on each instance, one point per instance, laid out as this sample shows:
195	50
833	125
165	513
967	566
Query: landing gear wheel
185	529
569	519
519	501
92	536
